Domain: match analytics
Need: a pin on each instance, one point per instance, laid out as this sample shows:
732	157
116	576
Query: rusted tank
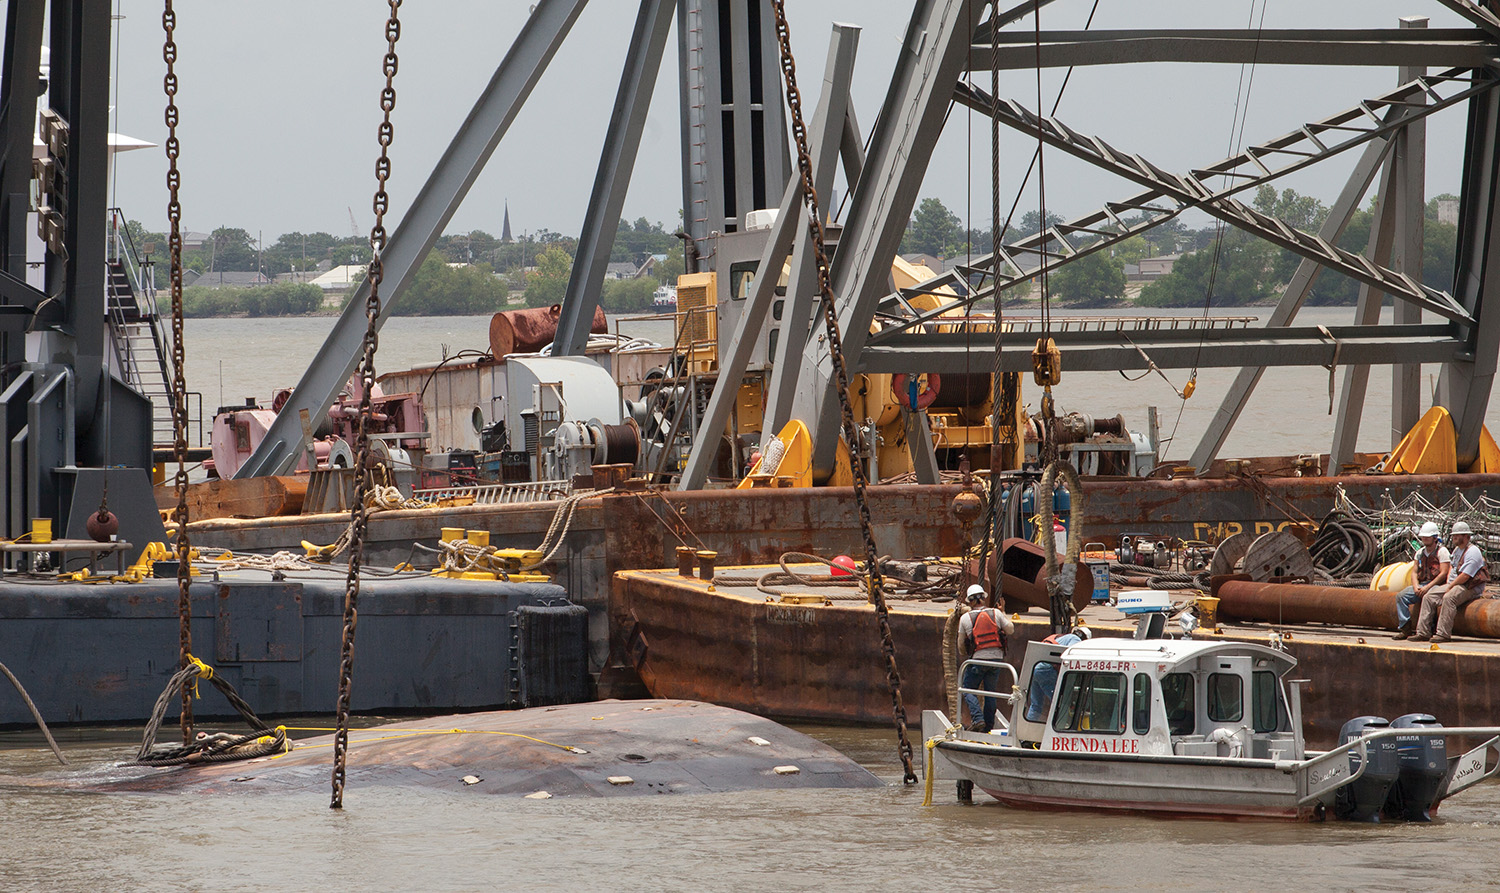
1023	576
529	330
1297	603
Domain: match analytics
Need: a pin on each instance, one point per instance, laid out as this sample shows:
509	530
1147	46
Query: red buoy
843	566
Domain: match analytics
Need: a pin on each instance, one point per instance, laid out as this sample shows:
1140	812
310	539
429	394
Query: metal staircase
140	342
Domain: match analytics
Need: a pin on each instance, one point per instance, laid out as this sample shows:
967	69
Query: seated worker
1430	568
1467	575
983	631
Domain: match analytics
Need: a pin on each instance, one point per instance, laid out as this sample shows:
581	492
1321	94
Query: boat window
1177	693
740	277
1226	697
1091	702
1140	699
1265	701
1039	692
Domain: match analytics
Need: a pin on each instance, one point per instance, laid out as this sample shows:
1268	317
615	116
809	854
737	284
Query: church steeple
505	227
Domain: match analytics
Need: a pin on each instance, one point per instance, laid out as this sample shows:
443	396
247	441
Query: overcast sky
279	108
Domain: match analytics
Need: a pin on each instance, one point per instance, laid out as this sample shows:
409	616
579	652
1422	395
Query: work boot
1420	638
1405	631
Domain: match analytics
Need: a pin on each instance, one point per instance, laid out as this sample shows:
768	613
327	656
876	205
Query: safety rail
984	693
985	323
499	494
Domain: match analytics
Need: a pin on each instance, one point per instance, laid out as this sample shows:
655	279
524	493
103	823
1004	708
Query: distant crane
353	225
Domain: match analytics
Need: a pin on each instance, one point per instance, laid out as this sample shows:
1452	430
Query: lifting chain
361	513
836	350
179	383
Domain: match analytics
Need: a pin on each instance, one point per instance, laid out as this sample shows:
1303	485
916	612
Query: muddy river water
424	839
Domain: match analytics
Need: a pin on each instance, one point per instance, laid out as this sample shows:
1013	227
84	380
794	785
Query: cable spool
616	444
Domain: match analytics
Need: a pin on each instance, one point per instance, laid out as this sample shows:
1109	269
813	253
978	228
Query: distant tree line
464	274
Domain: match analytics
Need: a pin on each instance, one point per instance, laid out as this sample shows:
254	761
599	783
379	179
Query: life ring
903	393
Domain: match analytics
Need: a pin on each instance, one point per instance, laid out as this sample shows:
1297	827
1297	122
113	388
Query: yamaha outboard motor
1362	799
1424	765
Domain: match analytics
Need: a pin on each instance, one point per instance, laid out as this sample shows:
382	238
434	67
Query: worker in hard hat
1429	569
1467	575
983	631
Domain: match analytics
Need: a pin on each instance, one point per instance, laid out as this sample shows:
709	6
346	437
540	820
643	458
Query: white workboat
1196	728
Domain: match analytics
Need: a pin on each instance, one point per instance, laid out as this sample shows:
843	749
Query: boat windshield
1177	695
1265	694
1091	702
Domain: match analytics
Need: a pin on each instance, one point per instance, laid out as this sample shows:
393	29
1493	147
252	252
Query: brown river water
424	839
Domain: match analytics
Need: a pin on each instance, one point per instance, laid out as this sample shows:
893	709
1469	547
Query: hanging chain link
179	383
361	514
835	348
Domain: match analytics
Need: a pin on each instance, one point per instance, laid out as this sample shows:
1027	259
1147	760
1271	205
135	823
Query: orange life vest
987	631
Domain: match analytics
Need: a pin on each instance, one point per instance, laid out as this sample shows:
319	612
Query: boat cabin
1156	696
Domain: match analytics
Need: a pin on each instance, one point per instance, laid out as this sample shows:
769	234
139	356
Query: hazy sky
279	108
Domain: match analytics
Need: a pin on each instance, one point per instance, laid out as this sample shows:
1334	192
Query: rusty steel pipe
1296	603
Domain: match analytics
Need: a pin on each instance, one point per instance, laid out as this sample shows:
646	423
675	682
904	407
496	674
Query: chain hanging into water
990	539
836	350
360	513
179	383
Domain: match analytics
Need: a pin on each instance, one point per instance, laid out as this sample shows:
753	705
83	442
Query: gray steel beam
1191	190
1465	383
616	161
1366	313
1020	260
825	137
802	298
1411	213
18	93
79	93
931	57
1477	12
919	445
951	352
1292	299
698	67
1463	48
423	222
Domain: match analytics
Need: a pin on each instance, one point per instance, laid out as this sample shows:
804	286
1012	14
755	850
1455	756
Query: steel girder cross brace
1464	386
826	136
430	211
932	56
621	143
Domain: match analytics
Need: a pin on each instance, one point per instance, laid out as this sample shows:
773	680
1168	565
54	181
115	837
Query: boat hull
1176	786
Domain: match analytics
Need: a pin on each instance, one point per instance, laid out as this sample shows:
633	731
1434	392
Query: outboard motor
1362	799
1424	765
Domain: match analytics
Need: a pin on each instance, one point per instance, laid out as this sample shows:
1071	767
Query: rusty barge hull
642	529
737	648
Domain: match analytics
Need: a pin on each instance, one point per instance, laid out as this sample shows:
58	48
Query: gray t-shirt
966	629
1468	560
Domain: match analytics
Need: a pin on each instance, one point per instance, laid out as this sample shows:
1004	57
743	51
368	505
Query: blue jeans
987	678
1404	603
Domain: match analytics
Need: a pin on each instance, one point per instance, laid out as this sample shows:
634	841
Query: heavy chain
360	514
835	348
179	383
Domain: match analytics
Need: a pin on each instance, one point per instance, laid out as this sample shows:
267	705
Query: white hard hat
1462	527
975	593
1431	529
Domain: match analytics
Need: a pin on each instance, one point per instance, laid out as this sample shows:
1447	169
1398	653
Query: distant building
231	279
621	269
1157	267
1447	211
505	227
192	241
935	264
340	278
